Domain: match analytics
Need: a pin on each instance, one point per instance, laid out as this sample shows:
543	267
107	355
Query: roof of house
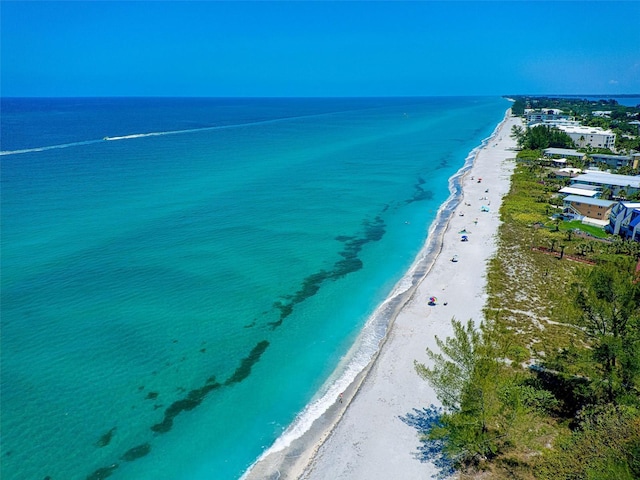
598	202
583	193
604	178
565	152
607	156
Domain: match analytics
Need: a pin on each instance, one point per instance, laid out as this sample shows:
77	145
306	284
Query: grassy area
531	309
589	229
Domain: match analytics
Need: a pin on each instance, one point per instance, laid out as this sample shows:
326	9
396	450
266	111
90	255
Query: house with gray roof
626	184
590	210
563	153
612	161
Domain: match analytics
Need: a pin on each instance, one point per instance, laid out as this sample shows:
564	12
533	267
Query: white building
555	123
539	116
595	137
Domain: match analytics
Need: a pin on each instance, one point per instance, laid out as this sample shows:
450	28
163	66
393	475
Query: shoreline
324	449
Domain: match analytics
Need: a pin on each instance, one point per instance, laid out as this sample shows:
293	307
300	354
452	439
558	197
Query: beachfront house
615	161
593	211
582	190
618	185
624	220
567	153
611	161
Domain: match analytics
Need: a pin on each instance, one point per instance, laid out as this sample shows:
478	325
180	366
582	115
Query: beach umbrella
433	300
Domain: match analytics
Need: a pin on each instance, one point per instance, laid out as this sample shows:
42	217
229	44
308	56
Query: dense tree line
541	137
574	106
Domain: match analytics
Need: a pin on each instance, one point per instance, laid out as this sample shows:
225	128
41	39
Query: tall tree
518	134
464	377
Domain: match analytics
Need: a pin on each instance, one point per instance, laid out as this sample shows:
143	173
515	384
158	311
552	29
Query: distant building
554	123
590	136
626	184
624	220
589	210
544	115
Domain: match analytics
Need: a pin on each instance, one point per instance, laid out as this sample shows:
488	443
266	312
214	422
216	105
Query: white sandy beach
363	437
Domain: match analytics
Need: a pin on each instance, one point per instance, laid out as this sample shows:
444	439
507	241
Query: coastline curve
297	446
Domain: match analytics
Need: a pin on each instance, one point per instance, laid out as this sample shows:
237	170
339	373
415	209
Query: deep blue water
181	277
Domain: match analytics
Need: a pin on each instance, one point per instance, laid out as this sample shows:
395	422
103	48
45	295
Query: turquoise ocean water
183	278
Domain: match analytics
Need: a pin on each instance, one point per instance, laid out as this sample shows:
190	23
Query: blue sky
316	48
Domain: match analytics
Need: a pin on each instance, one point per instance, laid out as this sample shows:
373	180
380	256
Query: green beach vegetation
547	386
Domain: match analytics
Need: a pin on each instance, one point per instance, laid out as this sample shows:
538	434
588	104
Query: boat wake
169	132
50	147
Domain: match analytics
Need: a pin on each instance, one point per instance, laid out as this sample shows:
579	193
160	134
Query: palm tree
581	141
518	134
